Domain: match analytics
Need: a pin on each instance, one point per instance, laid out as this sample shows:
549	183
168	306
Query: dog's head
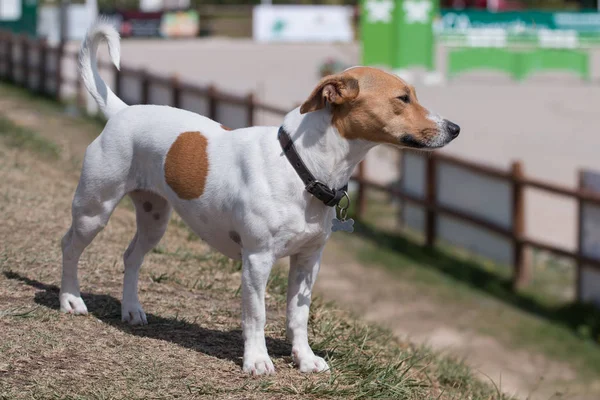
370	104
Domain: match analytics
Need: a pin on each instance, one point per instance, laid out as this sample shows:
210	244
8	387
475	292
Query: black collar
330	197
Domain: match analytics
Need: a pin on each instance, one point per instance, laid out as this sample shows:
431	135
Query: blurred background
511	208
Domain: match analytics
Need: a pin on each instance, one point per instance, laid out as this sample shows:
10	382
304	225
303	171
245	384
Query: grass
23	138
192	346
47	105
533	318
367	362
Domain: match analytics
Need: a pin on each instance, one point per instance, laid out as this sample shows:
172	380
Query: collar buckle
310	187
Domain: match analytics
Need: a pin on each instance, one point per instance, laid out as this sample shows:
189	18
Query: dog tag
344	226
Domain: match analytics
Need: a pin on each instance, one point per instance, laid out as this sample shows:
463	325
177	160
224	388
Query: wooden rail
519	183
12	45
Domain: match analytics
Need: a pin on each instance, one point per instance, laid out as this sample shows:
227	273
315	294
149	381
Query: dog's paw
71	304
133	314
308	362
259	365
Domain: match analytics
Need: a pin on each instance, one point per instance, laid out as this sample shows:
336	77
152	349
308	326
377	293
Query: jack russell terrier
255	194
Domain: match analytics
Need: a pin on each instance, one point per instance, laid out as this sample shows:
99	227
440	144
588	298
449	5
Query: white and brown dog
237	189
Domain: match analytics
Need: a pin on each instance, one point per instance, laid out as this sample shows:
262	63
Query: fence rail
516	233
35	65
39	67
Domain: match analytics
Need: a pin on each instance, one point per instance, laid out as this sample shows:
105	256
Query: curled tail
108	102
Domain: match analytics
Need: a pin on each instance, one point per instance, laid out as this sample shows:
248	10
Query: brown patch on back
226	128
186	165
156	216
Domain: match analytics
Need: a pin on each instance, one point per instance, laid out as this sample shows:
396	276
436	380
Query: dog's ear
335	89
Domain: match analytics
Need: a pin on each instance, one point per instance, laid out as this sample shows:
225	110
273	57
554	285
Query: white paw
133	313
308	362
71	304
259	364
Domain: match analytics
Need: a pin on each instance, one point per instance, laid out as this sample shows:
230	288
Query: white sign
10	10
151	5
298	23
379	11
79	19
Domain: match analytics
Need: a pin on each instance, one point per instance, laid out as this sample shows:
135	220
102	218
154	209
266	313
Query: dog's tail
108	102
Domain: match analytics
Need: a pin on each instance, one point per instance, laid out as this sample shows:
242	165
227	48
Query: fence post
4	44
400	186
250	109
579	266
25	60
175	92
60	50
361	204
3	49
212	102
431	199
10	67
43	50
144	87
520	273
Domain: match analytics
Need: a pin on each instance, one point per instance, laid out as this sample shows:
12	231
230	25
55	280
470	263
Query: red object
125	29
502	5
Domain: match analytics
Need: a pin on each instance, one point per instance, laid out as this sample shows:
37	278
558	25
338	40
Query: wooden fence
38	67
518	182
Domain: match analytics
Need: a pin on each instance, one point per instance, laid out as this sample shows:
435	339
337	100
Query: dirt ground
369	292
380	298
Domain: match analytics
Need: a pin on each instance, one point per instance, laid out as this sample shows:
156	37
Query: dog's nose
453	129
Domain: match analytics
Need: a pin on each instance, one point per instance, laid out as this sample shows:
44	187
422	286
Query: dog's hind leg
91	210
152	214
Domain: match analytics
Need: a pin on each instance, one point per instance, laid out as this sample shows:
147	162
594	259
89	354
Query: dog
255	194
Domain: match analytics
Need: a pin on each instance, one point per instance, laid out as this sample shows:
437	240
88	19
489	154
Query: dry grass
192	347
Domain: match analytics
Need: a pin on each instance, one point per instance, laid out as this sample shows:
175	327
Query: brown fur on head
370	104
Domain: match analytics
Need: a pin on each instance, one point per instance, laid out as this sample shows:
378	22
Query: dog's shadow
227	345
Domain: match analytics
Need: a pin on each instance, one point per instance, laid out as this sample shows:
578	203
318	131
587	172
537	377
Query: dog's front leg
303	273
255	274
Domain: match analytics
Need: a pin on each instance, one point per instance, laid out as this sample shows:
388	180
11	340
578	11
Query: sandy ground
384	300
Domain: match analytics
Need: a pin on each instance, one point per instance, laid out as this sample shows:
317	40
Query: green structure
398	34
518	64
401	35
414	41
377	31
19	16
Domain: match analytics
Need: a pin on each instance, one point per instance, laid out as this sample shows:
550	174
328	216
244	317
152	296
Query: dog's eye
404	98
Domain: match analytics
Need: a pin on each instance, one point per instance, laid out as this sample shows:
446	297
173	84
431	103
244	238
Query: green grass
369	362
67	109
532	318
22	138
